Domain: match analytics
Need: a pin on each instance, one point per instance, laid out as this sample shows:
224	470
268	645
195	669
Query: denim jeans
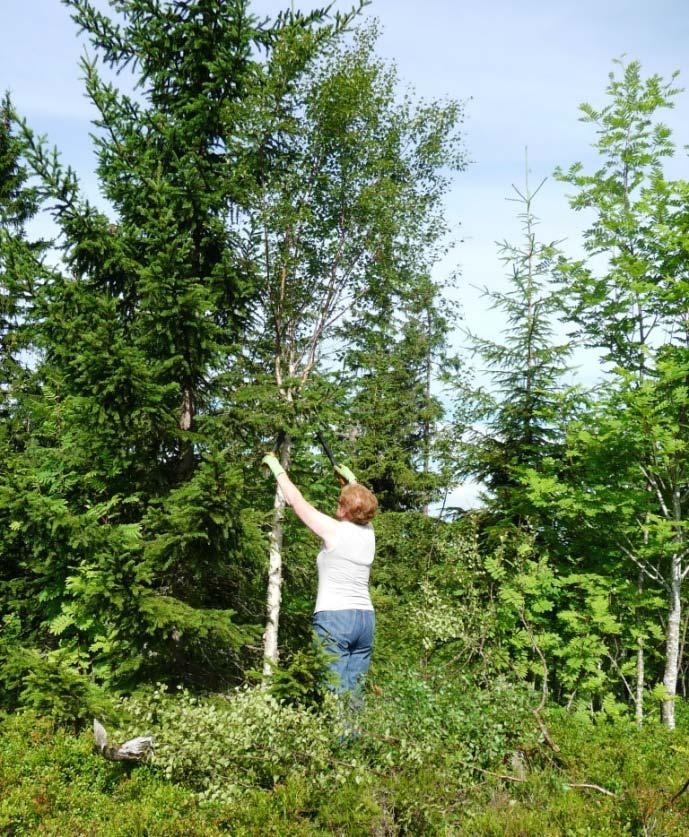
347	635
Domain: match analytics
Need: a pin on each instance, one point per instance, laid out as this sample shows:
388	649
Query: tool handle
326	449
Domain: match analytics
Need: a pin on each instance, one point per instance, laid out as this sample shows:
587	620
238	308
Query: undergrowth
433	757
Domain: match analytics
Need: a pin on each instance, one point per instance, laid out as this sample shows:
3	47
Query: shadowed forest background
267	271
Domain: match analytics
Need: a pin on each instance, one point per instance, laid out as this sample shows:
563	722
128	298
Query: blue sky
522	69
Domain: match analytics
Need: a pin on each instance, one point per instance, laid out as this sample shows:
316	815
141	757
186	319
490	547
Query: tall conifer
127	507
519	423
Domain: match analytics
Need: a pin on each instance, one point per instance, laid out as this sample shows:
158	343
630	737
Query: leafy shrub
613	778
52	783
440	776
417	718
219	745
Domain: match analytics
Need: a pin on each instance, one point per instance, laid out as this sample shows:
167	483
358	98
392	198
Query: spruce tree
21	262
22	271
127	508
519	423
398	367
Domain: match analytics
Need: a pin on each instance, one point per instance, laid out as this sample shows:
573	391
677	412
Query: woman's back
345	567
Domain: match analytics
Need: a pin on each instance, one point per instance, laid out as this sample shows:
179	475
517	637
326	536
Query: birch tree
625	300
357	178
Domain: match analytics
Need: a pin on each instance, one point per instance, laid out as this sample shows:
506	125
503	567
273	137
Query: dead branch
592	787
544	690
680	792
136	749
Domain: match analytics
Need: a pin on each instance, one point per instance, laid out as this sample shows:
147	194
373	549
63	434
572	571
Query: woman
343	618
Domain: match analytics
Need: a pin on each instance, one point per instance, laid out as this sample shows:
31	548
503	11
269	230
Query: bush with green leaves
305	679
428	718
219	745
52	783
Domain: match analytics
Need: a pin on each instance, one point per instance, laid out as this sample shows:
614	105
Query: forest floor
609	778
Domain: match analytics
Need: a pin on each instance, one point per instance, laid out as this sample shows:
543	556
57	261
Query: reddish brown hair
359	504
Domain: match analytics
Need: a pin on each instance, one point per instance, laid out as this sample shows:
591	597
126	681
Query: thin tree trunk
640	661
185	464
427	399
640	675
672	646
274	598
682	678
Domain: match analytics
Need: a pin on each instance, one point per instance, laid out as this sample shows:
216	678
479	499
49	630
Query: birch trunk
672	646
640	675
640	661
274	597
427	397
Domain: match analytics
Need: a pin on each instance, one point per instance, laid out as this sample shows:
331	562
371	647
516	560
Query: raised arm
319	523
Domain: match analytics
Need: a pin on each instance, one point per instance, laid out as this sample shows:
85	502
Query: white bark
640	660
640	675
274	597
672	644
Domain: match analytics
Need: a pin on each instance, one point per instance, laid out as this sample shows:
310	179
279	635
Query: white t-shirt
344	569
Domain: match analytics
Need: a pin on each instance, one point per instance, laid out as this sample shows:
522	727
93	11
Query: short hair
360	504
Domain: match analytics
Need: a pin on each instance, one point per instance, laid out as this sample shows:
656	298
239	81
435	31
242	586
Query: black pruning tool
342	478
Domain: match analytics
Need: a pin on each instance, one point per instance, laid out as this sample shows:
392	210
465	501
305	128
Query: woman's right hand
271	462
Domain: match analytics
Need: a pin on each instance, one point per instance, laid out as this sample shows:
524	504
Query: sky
521	69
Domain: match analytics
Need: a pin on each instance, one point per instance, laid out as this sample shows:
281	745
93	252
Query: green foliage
431	761
218	746
617	308
21	263
346	230
51	781
129	536
50	683
641	769
261	163
520	420
431	576
275	203
395	338
415	717
304	680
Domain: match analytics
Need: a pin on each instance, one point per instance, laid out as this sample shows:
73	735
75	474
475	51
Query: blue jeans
347	635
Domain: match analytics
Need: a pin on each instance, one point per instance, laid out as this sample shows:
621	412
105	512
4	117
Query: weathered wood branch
136	749
591	786
680	791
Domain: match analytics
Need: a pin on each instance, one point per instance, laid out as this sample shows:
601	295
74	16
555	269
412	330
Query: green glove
344	475
273	464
